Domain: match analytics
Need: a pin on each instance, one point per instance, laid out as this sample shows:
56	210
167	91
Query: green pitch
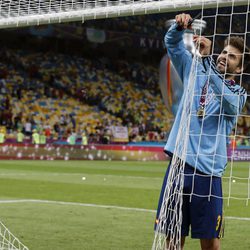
113	191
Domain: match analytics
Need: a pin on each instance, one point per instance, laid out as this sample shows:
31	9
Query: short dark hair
239	43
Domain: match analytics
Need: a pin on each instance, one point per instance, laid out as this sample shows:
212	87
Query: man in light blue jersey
218	99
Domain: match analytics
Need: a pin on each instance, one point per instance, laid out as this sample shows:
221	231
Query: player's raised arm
179	55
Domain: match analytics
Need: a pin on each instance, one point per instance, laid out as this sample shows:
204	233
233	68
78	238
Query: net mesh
8	241
222	23
34	12
170	217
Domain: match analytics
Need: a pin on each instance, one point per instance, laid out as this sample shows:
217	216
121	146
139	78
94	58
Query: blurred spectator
84	139
19	136
2	136
72	139
73	121
43	138
28	128
47	130
35	137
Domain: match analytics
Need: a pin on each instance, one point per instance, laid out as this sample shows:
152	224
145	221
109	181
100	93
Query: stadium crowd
65	97
58	96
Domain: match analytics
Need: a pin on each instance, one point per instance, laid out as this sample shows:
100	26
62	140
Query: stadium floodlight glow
15	13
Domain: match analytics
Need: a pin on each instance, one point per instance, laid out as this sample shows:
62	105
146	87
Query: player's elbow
233	106
231	110
171	40
167	40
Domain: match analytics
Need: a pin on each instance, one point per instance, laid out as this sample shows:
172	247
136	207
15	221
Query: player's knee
211	244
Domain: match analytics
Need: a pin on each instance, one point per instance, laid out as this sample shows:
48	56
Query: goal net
223	18
221	23
8	241
14	13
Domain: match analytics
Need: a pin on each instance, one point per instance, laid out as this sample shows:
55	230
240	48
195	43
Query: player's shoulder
235	87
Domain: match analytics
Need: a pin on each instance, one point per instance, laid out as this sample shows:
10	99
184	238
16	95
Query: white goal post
18	13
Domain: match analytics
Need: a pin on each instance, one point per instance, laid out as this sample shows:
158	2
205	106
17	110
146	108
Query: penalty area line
99	206
77	204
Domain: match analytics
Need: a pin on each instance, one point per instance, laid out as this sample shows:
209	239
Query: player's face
229	60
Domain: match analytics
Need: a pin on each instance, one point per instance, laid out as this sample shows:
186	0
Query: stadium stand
44	92
59	93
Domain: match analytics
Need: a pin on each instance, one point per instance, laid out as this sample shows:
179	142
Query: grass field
92	205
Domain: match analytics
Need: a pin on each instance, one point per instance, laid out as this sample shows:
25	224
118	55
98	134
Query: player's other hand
183	20
203	44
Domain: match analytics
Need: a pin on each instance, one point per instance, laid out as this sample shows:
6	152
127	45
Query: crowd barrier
143	152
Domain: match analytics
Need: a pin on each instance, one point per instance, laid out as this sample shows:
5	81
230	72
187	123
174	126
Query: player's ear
239	69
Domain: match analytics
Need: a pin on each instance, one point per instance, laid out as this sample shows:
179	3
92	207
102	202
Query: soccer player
217	101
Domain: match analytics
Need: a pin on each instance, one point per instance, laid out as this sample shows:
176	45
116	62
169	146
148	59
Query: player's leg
210	244
185	214
206	211
161	196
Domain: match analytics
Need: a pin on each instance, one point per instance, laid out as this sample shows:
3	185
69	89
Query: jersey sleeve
233	97
179	55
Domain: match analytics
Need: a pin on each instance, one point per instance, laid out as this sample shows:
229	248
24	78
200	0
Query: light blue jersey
207	144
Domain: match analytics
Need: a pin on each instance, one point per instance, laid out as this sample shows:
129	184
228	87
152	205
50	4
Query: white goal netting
14	13
8	241
221	23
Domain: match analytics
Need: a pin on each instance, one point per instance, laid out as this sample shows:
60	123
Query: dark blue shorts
200	210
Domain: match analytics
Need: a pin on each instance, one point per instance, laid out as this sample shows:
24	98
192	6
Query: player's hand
183	20
204	45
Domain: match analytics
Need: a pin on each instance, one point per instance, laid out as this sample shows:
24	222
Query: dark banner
69	31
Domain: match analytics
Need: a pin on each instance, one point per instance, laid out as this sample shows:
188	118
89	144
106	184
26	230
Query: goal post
19	13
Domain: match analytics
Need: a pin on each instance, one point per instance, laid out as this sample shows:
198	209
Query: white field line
237	218
78	174
77	204
101	175
100	206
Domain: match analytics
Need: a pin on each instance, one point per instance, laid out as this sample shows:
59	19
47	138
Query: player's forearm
177	52
174	40
233	98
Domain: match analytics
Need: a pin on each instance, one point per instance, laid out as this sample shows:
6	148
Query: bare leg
210	244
